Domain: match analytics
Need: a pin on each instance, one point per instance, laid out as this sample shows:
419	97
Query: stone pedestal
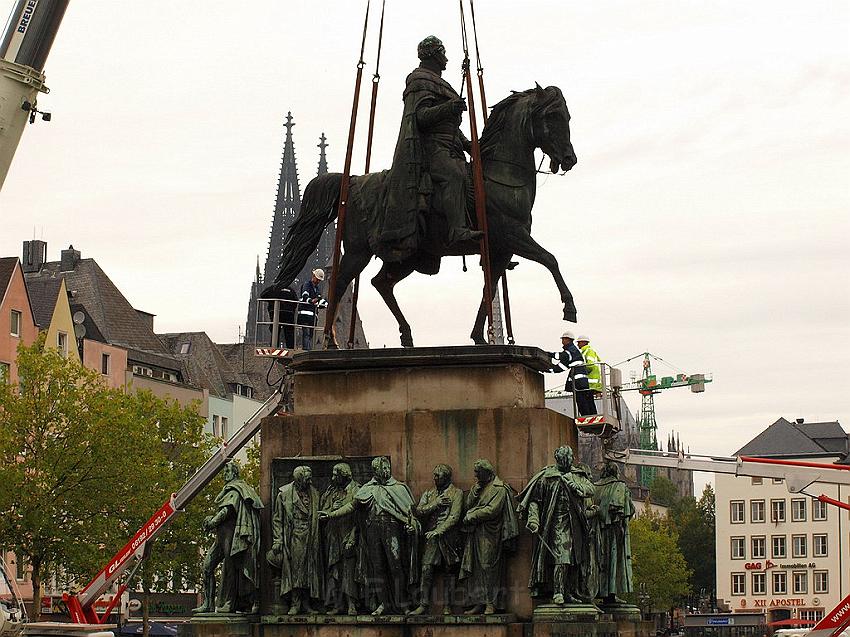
219	625
420	407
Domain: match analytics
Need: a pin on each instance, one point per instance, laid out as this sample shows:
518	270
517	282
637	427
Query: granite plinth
622	611
419	378
393	626
565	613
219	625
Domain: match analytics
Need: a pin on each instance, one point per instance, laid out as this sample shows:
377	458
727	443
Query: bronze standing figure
440	510
554	503
295	537
490	525
614	510
340	539
236	547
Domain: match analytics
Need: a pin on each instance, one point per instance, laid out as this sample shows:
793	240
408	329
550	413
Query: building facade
784	554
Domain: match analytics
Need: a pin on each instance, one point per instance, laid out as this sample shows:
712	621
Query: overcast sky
706	220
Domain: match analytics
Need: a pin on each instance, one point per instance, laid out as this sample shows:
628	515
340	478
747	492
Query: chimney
69	260
34	256
800	421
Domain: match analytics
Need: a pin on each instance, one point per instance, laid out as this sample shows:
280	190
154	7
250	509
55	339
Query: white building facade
787	555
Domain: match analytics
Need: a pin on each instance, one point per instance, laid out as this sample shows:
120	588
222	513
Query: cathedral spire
323	160
287	203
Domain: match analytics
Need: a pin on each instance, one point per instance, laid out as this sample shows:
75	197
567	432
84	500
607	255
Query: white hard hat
568	334
583	338
319	274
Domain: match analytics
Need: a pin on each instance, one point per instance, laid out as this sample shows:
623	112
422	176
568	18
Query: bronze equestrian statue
414	214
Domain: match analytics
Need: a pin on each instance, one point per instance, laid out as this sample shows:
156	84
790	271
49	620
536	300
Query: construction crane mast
648	386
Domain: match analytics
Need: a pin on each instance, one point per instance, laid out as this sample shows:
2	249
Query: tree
83	466
659	570
694	522
251	469
67	448
180	448
663	491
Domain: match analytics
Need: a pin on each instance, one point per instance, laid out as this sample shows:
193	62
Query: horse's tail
318	208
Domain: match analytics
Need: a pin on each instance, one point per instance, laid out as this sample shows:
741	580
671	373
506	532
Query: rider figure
429	168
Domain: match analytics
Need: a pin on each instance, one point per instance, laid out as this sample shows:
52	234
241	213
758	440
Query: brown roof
93	292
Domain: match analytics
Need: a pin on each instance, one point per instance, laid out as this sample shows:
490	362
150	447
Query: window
758	547
4	372
738	548
224	427
15	323
798	546
216	429
104	364
759	584
818	510
780	583
777	510
819	546
20	568
798	510
62	343
756	480
821	581
736	511
811	615
800	579
757	511
739	583
184	348
777	546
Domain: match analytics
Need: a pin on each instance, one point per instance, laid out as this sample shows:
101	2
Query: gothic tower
287	207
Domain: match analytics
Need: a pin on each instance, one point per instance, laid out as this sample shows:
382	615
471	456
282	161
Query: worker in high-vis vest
591	360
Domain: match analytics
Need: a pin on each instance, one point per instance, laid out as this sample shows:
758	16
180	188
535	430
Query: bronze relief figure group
372	548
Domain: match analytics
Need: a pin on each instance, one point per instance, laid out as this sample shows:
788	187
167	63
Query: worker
591	360
308	308
570	360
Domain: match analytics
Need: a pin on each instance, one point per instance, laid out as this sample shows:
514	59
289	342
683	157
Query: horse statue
517	126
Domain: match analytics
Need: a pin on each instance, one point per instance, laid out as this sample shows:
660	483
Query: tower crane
648	385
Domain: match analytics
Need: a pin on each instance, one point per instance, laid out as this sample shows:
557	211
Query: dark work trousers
584	397
384	538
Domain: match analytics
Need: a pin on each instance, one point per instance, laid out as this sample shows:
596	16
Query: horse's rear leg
384	282
525	246
353	262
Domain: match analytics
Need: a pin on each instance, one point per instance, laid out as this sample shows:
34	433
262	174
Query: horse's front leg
384	282
525	246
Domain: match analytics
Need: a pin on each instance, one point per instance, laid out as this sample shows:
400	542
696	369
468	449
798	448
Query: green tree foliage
694	522
663	491
659	569
251	469
82	466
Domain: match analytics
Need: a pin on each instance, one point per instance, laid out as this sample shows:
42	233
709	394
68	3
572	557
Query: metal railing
273	319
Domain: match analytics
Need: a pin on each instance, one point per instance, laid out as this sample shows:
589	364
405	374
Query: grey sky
706	219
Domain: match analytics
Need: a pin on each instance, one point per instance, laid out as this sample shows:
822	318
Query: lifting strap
343	188
478	182
376	79
506	302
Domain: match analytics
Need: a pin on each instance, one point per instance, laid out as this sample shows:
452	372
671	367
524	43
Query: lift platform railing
285	334
606	422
